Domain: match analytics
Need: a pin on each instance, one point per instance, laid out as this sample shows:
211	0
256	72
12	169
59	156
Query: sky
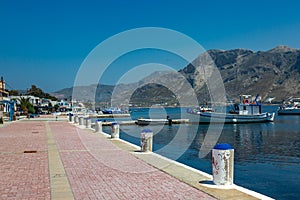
44	43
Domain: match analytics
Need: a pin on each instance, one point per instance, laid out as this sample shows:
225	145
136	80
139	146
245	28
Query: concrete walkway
56	160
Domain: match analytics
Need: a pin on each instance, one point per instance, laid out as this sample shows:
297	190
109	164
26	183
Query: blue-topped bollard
71	117
222	164
115	130
146	140
98	126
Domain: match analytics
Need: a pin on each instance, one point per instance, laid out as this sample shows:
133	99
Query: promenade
43	159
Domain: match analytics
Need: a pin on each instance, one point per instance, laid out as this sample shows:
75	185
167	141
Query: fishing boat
290	107
247	111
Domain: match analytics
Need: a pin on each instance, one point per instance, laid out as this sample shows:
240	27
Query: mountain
103	93
272	73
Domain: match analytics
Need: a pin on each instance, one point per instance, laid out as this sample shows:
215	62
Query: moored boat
167	121
144	122
113	110
198	110
290	107
247	111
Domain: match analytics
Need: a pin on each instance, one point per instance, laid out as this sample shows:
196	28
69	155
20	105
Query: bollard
80	121
222	164
70	117
88	123
76	119
115	130
98	127
84	121
169	121
146	140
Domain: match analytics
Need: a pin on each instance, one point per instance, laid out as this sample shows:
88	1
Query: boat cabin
247	106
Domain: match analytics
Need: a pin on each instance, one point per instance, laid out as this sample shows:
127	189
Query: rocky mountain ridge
273	73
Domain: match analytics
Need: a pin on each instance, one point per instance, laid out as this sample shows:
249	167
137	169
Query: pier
67	161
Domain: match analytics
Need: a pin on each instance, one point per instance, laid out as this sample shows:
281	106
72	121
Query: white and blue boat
247	111
290	107
113	110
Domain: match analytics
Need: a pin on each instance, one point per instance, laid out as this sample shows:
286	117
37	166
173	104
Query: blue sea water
267	155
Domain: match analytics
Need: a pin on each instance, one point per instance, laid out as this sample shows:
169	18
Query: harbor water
267	155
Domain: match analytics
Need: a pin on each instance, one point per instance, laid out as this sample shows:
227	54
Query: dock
110	115
135	122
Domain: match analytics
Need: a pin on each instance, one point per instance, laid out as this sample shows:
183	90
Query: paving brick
94	167
24	175
104	170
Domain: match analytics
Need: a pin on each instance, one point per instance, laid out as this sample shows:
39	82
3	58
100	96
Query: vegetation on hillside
35	91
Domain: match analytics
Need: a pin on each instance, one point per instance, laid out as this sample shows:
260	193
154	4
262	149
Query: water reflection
267	155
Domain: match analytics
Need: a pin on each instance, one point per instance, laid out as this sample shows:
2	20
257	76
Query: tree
37	92
56	106
14	93
26	106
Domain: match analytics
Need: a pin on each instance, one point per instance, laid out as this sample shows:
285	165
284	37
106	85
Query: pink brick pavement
96	168
106	172
24	175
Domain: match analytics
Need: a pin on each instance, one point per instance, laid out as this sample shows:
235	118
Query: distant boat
247	111
145	122
167	121
113	110
198	110
290	107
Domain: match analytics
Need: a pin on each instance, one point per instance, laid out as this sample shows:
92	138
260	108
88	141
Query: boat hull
289	111
144	122
212	117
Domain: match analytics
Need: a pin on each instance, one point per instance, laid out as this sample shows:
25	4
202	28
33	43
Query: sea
266	155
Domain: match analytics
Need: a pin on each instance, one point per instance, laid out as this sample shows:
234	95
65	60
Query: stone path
82	165
24	171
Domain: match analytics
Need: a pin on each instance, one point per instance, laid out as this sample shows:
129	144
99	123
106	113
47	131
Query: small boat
145	122
247	111
167	121
290	107
113	110
198	110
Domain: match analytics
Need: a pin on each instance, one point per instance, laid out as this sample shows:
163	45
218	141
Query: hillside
273	73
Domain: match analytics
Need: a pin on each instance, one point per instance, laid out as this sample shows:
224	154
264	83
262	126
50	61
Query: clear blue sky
44	42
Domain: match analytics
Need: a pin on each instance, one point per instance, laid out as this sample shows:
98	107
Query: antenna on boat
230	103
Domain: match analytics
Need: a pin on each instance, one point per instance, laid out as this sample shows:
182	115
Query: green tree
35	91
26	106
14	93
56	106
